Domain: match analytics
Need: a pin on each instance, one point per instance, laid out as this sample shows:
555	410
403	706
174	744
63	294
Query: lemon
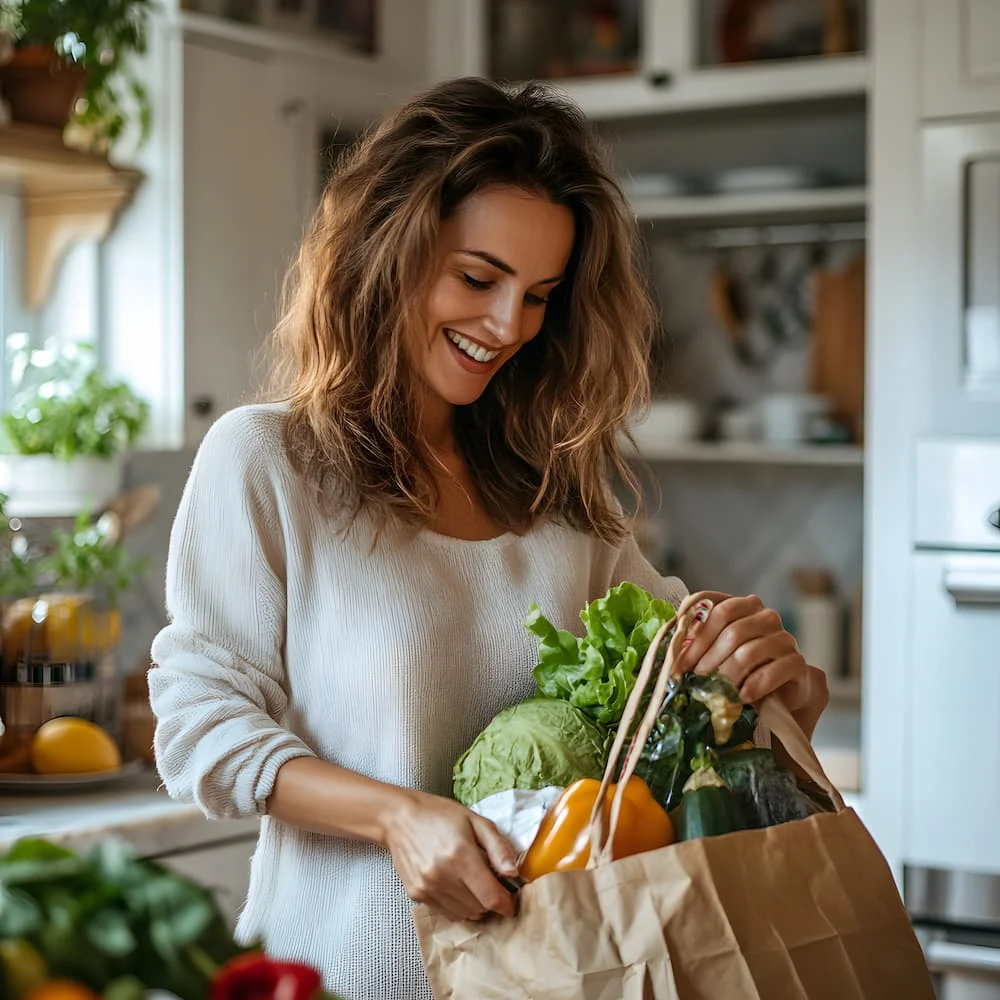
73	746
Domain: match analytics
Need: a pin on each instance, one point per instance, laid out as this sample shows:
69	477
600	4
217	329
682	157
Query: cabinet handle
202	406
661	78
994	519
963	957
973	586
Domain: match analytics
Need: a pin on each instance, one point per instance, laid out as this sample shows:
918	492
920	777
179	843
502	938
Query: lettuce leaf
596	672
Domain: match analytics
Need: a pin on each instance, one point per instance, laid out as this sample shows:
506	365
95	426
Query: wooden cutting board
838	350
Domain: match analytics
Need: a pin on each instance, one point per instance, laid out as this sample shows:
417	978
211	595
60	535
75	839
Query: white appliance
952	856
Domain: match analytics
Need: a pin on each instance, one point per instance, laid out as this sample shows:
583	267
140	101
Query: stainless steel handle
973	586
949	955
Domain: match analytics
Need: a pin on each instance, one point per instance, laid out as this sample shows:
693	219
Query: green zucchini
707	807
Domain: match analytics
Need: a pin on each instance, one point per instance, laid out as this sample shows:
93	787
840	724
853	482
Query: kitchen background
818	183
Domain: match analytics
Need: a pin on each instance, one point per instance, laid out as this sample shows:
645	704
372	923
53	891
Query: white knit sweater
287	639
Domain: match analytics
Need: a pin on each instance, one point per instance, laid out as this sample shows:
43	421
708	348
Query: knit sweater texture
288	638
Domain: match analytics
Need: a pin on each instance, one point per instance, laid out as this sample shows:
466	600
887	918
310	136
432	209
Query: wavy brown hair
543	440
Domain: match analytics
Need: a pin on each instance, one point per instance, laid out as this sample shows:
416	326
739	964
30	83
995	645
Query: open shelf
709	88
845	691
67	196
809	205
747	453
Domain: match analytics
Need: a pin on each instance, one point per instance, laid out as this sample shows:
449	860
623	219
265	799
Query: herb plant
67	407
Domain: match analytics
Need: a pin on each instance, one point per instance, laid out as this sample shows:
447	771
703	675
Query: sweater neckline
452	542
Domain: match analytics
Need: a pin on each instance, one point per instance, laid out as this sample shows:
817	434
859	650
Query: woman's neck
437	427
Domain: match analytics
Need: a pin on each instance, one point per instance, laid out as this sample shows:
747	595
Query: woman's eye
535	300
480	286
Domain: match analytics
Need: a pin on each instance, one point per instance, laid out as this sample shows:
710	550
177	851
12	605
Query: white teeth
474	351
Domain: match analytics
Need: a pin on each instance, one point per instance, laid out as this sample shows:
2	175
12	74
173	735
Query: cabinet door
223	869
961	57
961	286
242	218
620	55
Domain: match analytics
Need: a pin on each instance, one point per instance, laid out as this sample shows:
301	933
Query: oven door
953	820
957	918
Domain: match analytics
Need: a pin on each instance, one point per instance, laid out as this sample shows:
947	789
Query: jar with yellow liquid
58	657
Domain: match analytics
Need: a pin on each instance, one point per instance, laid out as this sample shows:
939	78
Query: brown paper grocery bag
803	911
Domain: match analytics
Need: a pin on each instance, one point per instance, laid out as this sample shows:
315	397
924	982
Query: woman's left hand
746	641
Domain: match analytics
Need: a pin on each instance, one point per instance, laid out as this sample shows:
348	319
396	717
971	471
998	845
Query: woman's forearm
323	798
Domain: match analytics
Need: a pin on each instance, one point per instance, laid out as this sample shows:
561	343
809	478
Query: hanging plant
97	38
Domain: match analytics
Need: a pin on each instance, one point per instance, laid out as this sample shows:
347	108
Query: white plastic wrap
518	813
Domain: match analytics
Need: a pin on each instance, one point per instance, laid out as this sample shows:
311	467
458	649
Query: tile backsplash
142	608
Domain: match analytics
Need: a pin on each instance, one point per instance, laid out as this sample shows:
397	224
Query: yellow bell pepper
563	840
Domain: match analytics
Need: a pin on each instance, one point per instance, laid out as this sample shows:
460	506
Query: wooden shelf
776	83
811	205
845	691
67	196
656	449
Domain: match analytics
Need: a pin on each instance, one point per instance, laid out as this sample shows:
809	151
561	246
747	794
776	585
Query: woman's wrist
324	798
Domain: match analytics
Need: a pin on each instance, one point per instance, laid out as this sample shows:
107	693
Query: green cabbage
536	744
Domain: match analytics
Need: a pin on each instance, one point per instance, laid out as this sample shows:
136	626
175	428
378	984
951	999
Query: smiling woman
487	215
465	338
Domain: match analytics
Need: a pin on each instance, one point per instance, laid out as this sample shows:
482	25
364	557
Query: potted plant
66	431
72	59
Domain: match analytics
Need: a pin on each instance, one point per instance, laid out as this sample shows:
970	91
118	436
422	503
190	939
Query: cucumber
707	808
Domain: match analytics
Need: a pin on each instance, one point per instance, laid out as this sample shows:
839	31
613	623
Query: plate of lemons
69	754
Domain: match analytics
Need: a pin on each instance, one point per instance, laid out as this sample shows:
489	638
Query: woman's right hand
447	857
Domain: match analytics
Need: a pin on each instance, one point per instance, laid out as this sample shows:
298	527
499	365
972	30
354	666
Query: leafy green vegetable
109	920
596	672
535	744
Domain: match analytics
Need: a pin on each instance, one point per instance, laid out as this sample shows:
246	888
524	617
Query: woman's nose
504	320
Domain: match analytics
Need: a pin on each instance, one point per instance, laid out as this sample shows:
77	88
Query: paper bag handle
601	839
772	714
775	716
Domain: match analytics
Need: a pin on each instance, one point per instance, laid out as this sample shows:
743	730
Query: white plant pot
43	486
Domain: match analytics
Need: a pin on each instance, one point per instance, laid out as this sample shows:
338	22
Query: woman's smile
472	355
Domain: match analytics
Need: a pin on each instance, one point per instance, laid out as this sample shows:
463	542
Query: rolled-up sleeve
218	686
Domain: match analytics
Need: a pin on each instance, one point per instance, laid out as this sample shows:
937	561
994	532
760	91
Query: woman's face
500	255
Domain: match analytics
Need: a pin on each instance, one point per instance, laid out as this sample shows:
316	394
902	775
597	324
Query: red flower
254	976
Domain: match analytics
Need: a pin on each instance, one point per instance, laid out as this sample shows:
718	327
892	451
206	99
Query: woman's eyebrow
502	265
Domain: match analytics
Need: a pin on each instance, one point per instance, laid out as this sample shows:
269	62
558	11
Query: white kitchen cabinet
192	277
670	68
960	292
241	216
223	869
960	55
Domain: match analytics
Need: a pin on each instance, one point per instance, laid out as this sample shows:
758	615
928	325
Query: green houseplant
66	430
83	50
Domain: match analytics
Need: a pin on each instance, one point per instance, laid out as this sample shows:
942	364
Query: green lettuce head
596	672
536	744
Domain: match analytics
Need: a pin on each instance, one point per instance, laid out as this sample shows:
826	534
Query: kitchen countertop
137	810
